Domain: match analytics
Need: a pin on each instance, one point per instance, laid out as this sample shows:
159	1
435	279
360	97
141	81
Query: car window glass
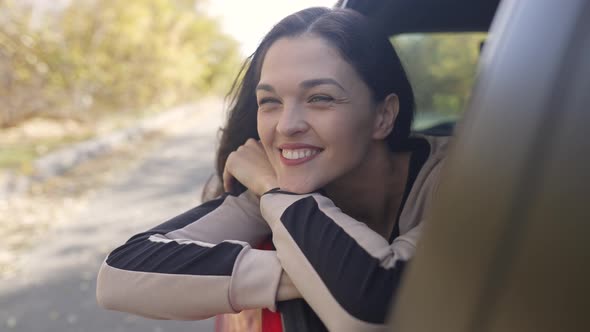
441	68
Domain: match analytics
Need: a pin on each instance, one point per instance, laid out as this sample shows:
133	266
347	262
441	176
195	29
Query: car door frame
505	247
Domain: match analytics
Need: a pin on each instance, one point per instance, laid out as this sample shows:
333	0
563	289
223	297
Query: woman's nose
292	121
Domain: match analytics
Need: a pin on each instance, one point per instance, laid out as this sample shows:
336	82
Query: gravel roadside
60	231
56	200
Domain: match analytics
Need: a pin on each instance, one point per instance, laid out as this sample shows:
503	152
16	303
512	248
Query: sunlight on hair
248	21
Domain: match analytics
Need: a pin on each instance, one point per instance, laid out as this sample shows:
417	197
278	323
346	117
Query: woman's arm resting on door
194	266
344	270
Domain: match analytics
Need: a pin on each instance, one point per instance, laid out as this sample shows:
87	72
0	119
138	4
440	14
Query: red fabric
262	320
271	321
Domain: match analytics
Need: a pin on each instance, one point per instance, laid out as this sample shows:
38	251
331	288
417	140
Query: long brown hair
363	46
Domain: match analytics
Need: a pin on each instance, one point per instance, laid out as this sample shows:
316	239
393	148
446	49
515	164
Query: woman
316	155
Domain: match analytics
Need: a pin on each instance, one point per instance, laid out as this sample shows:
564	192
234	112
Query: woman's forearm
185	295
345	271
193	266
287	290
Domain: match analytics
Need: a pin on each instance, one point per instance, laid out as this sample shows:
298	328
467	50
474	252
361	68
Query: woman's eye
320	99
267	100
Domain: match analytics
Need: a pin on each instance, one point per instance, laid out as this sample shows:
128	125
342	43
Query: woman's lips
297	154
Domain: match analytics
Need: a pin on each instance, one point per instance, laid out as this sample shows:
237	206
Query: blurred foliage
441	68
98	56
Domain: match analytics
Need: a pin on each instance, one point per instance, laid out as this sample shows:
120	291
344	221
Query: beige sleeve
196	265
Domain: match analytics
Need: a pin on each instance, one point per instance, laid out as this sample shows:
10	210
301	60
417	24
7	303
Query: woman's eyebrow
265	87
307	84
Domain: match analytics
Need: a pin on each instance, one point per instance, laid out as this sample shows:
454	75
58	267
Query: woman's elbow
155	296
108	294
114	293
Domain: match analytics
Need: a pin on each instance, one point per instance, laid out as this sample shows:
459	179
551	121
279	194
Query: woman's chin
298	187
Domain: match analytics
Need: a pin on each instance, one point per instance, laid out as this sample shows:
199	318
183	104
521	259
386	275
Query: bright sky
249	20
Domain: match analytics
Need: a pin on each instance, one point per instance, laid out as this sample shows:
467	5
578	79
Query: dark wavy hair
360	44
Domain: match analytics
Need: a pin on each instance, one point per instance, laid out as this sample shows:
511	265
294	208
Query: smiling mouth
291	157
294	154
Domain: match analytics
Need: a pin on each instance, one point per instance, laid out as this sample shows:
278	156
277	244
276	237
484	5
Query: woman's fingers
227	176
250	166
226	181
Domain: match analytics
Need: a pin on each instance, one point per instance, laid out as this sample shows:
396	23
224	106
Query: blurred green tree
94	57
441	68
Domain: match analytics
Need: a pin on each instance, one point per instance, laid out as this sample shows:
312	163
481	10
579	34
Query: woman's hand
287	290
249	165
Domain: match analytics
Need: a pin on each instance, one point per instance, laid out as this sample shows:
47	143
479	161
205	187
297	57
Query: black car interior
409	16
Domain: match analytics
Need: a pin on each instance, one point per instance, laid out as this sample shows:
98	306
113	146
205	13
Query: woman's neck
373	192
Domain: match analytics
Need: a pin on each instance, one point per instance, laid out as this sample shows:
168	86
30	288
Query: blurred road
54	289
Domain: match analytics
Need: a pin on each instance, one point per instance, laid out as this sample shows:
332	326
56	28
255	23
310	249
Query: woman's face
315	115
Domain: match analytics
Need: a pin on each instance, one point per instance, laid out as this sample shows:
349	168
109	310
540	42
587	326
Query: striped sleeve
194	266
345	271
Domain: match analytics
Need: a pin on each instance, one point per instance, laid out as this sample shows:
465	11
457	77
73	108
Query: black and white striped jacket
204	262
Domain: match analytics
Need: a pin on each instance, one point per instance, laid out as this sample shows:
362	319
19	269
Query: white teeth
298	154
